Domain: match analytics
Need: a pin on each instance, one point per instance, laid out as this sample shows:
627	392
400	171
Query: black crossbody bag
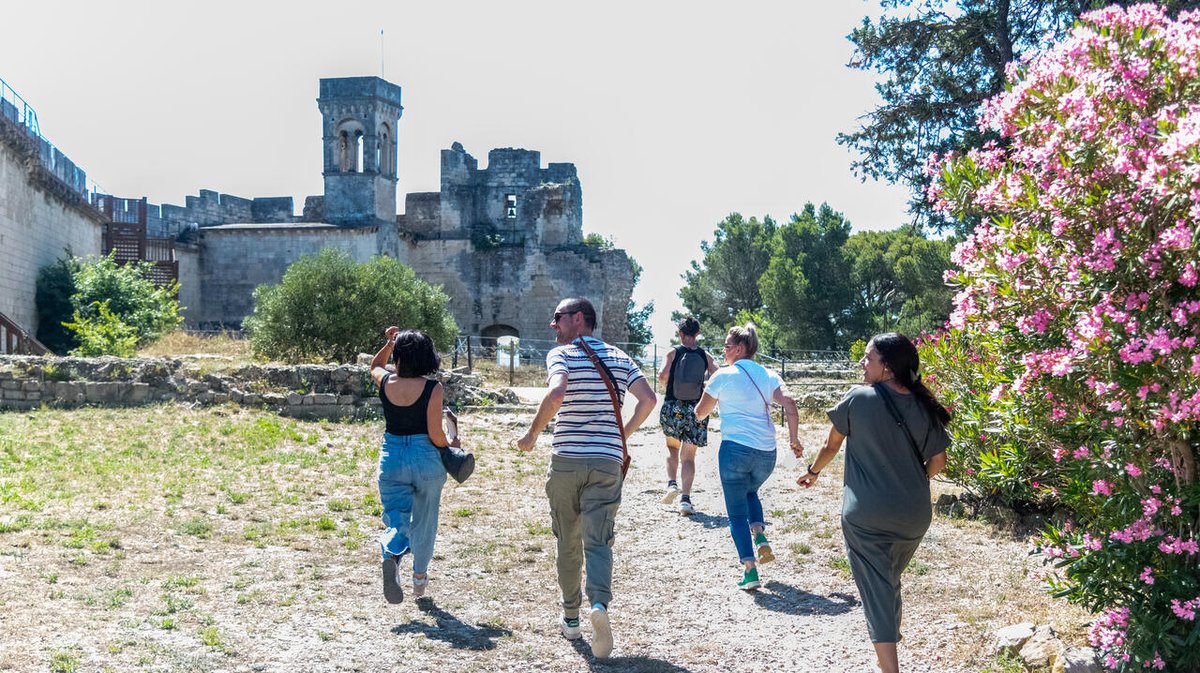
886	396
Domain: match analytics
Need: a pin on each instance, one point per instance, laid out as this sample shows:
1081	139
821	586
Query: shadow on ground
785	598
452	630
625	664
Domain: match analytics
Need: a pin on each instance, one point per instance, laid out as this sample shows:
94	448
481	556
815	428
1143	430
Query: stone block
139	393
1010	639
251	399
32	386
345	399
101	392
1043	649
10	385
306	400
11	394
220	398
1079	660
295	399
275	399
324	398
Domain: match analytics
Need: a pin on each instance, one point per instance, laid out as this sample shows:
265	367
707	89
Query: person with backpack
744	390
683	374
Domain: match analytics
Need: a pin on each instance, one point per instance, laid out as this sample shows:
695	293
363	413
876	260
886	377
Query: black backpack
688	372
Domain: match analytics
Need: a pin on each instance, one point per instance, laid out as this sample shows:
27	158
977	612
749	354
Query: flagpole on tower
381	73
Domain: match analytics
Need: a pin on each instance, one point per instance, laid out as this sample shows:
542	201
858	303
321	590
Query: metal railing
818	369
17	110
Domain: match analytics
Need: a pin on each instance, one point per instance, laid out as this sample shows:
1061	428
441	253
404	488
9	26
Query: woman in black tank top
410	472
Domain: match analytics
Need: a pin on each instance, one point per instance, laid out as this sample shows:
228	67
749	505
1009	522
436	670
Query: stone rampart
45	215
318	391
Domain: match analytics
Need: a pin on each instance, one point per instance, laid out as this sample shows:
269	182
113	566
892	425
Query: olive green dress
886	508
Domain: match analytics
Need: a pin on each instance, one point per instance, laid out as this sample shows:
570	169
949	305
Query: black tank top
410	420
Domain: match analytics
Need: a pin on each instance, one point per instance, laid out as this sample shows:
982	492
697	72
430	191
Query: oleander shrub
1071	358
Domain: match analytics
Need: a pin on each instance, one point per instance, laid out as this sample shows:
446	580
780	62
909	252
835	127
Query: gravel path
493	595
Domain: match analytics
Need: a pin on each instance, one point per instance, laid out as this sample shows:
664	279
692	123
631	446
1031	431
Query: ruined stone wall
325	391
43	214
520	286
236	258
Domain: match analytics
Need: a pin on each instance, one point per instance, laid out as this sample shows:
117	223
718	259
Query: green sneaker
765	555
749	580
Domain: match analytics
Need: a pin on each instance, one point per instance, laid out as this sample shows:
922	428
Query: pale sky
674	113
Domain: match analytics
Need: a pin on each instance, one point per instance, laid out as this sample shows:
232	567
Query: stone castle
505	242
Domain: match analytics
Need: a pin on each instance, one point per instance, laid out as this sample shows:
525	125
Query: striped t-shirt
586	425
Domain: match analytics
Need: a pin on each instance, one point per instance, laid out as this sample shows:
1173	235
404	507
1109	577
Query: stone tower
359	117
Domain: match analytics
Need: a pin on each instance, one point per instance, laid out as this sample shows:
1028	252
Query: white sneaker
686	508
570	628
671	494
602	638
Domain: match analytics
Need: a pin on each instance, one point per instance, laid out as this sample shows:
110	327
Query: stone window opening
344	152
385	155
358	152
510	206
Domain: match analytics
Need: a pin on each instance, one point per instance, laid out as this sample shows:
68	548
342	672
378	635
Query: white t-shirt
744	416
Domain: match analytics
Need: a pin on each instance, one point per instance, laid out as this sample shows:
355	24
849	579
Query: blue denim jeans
743	471
411	477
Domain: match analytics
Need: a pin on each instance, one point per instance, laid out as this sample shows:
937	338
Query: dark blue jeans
743	471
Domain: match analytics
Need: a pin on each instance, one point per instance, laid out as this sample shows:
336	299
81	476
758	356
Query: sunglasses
559	314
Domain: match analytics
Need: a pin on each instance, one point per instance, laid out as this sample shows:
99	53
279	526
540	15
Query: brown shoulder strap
606	376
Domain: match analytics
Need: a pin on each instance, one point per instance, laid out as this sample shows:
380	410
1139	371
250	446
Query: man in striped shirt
584	484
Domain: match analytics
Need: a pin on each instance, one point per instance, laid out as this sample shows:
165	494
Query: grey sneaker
602	638
686	508
671	494
392	590
419	585
570	628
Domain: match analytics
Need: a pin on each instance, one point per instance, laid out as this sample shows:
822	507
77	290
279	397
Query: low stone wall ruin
310	391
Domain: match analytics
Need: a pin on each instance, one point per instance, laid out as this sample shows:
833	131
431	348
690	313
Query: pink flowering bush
1071	359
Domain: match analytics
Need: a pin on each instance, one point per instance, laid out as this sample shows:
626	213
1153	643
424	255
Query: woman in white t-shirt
744	390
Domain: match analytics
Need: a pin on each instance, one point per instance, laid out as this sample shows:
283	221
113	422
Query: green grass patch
197	526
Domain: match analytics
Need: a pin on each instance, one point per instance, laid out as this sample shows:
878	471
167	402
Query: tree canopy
810	284
940	59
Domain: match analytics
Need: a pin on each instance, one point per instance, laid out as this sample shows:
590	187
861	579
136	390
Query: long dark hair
900	356
414	354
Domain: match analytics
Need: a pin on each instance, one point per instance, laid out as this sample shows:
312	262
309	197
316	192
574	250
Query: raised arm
379	362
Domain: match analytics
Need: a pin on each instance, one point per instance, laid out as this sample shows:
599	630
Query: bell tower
358	118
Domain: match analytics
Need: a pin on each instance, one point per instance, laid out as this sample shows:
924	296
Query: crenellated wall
44	215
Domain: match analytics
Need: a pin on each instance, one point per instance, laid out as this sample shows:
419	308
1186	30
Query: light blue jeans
743	471
411	477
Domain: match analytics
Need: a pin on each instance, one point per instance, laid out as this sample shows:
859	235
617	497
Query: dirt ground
175	602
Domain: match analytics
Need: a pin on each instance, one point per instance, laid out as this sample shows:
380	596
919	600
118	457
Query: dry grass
182	539
181	343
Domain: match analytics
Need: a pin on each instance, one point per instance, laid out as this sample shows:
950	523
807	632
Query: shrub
102	333
107	304
330	308
1071	358
55	285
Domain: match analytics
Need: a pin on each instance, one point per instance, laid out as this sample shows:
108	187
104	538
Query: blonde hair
745	335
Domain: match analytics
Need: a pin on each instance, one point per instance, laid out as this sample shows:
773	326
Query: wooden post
470	367
512	358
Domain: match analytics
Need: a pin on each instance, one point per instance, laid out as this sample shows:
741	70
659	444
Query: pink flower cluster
1081	284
